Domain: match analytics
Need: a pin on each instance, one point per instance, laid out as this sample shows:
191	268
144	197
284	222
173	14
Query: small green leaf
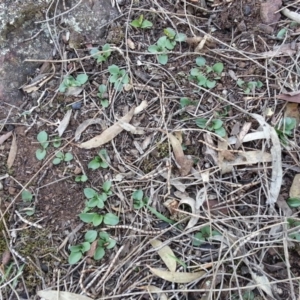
83	178
93	202
60	155
217	123
111	219
26	196
247	90
259	84
97	220
184	101
99	253
90	236
162	58
68	156
104	103
74	257
295	236
94	164
201	122
113	69
82	78
221	132
153	49
76	248
56	161
218	68
62	88
30	211
106	186
40	154
138	195
90	193
138	204
102	88
56	142
206	230
146	24
240	83
86	246
201	80
281	33
210	84
107	52
180	37
94	51
293	202
104	236
289	123
42	136
159	215
200	61
198	239
87	217
135	23
195	72
111	243
170	33
251	85
215	233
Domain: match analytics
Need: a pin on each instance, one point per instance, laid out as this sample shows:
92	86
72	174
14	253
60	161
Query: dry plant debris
176	150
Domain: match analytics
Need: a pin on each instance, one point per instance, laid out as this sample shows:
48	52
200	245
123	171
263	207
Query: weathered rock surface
21	20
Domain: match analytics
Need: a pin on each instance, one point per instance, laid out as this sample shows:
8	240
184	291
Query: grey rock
22	19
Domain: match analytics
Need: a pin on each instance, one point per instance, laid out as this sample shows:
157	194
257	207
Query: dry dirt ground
230	192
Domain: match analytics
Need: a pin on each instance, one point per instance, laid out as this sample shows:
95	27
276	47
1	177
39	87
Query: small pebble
77	105
247	10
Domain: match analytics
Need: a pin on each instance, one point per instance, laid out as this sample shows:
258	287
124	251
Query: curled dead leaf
13	152
166	254
184	163
82	127
177	277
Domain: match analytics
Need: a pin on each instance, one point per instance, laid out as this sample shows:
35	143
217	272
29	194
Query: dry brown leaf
82	127
281	203
130	44
291	15
245	129
58	295
153	289
245	158
295	97
177	277
13	152
5	136
111	132
184	163
295	188
64	123
262	282
166	254
130	128
282	50
108	134
269	11
92	250
276	178
175	182
291	111
6	257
